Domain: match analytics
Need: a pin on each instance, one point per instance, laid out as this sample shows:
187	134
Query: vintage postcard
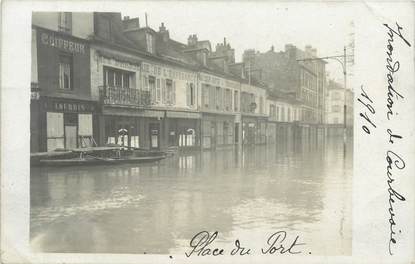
207	132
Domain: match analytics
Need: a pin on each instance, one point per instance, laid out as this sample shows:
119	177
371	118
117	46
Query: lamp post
342	60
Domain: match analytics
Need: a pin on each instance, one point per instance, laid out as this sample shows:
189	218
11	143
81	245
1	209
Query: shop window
65	72
65	22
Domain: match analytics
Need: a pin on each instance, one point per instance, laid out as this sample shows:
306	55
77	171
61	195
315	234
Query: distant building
336	98
282	72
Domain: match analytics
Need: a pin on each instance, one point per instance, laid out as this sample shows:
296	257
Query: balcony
123	96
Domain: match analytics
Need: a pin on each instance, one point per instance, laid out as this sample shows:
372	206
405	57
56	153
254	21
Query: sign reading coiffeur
57	42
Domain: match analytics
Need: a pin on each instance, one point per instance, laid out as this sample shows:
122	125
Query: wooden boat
97	156
89	160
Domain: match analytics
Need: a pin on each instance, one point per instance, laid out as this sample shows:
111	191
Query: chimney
290	51
130	23
192	40
164	32
272	48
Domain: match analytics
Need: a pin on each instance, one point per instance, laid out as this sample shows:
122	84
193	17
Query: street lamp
342	60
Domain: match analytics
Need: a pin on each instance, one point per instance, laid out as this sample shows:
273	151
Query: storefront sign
72	107
51	40
171	73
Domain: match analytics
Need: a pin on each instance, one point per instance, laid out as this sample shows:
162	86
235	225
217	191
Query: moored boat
97	156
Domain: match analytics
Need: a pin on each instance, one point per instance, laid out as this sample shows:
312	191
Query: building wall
182	80
82	22
335	105
259	97
49	54
217	94
98	62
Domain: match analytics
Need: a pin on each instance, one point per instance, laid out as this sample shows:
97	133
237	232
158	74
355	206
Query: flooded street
157	208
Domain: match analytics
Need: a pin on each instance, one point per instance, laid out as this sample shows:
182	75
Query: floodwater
157	208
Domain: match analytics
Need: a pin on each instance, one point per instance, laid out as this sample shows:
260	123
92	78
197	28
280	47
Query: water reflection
157	208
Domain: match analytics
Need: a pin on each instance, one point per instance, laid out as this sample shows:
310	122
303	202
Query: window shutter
188	100
173	99
163	86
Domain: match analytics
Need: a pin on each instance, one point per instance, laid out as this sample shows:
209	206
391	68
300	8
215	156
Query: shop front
218	130
182	129
254	130
58	123
130	127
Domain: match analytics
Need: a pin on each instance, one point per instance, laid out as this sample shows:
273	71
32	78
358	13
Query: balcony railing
124	96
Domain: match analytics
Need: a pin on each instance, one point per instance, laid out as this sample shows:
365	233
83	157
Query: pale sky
257	25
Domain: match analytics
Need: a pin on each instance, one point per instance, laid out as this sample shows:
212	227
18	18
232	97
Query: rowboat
98	161
107	155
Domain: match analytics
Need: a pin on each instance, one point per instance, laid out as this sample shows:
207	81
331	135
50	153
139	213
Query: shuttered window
54	131
85	124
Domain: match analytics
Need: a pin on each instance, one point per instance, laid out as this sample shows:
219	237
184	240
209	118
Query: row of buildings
98	78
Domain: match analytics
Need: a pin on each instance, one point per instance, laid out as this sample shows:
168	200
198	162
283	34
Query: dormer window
149	42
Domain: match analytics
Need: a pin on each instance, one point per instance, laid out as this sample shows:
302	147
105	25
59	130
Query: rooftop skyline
267	24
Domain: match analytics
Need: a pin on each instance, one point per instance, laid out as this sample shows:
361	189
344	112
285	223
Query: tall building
282	71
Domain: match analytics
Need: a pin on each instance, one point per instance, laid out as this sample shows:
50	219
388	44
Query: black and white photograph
140	140
207	131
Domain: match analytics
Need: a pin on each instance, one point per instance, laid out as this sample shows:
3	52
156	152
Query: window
158	90
261	105
235	100
219	98
65	73
170	91
228	100
282	114
65	22
278	113
205	95
149	42
117	78
190	92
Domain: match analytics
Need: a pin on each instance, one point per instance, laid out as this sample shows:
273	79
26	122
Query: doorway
154	136
70	137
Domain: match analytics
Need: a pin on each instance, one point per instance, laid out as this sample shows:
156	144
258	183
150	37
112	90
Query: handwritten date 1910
367	102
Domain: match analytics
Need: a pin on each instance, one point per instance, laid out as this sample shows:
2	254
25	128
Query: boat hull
100	161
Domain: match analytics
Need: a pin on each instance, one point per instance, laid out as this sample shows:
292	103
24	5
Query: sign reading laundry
57	42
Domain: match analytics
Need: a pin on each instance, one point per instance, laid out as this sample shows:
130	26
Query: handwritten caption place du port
278	243
394	161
